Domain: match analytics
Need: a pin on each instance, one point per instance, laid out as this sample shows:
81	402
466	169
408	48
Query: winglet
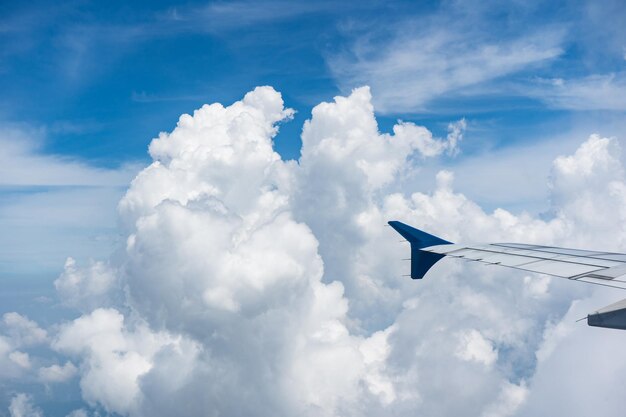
612	316
417	237
421	261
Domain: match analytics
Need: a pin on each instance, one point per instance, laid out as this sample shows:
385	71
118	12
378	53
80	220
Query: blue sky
100	79
92	83
87	85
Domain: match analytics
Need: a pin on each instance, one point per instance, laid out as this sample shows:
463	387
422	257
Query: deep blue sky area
103	78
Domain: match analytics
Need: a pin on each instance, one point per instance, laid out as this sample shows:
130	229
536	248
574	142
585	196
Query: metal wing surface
602	268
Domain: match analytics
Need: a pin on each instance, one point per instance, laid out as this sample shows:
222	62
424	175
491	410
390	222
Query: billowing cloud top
248	285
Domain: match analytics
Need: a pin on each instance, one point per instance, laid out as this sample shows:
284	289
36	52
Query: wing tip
418	237
421	261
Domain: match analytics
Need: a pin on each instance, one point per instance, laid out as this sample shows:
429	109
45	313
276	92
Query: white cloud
22	406
346	212
346	131
22	330
375	351
109	353
6	365
235	14
591	92
537	286
576	361
20	358
474	347
57	373
481	52
53	205
420	61
22	163
14	363
455	134
78	413
510	399
86	288
215	253
43	226
255	286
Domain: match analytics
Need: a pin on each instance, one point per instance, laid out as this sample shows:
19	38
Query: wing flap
559	268
612	273
506	259
606	282
593	267
589	261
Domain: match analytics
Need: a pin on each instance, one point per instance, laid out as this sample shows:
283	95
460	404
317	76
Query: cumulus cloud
474	347
508	402
249	285
20	358
108	352
17	335
57	373
591	360
23	331
78	413
216	254
86	288
22	406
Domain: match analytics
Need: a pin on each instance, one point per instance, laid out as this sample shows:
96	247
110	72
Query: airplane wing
600	268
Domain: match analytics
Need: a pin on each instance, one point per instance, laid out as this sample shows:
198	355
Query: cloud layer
248	285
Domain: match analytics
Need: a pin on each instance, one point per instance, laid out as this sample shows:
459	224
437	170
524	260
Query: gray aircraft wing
600	268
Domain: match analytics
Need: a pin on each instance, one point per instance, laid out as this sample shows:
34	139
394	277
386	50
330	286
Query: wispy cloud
418	66
593	92
237	14
145	97
23	164
568	56
77	45
50	204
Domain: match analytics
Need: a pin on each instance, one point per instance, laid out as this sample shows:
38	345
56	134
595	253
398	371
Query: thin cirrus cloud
233	15
23	163
563	58
416	66
51	203
72	46
592	92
